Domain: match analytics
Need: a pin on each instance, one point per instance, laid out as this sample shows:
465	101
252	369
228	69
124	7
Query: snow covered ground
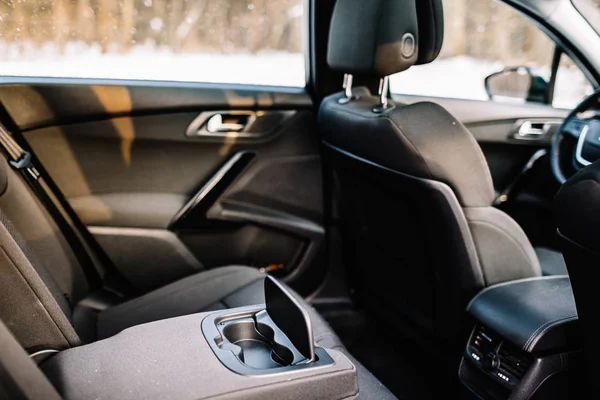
463	78
459	77
148	63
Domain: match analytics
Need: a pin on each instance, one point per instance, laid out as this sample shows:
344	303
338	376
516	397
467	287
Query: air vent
497	358
512	363
483	342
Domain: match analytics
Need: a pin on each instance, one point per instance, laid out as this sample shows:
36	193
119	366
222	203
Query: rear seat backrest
35	225
40	278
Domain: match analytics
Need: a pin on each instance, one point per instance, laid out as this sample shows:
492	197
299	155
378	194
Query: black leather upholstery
377	37
537	314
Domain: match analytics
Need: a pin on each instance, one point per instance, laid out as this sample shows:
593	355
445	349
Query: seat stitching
535	336
513	282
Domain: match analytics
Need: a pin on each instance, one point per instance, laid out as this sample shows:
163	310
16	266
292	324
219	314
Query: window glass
571	85
231	41
590	10
481	37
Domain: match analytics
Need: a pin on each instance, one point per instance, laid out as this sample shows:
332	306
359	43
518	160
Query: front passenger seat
420	234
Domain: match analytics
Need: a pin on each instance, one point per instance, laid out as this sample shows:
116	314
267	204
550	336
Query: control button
475	356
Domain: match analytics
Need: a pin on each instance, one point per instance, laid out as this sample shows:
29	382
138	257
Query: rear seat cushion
206	291
218	289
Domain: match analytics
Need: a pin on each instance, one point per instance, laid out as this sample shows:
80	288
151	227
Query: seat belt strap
67	221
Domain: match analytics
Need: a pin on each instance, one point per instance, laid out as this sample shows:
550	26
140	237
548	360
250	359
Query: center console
256	352
525	343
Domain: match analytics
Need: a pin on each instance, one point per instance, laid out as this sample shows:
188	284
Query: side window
482	38
571	85
229	41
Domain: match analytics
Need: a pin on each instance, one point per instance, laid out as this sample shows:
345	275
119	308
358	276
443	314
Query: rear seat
44	291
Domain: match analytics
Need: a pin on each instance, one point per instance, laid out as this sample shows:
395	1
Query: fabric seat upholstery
415	193
39	276
217	289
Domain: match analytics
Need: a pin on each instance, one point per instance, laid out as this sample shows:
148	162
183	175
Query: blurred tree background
483	29
489	30
182	25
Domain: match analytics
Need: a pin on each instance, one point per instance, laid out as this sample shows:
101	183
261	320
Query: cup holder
247	341
257	347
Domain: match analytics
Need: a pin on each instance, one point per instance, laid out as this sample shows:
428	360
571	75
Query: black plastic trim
34	80
193	214
566	46
227	357
76	100
233	211
541	370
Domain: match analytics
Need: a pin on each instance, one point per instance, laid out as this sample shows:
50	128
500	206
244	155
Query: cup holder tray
248	342
256	343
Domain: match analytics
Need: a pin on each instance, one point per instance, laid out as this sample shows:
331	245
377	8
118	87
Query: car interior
180	240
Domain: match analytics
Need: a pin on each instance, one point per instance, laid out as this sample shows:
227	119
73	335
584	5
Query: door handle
241	125
222	124
535	129
216	124
531	129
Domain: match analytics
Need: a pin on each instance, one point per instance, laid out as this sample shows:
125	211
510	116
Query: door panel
519	165
33	103
165	197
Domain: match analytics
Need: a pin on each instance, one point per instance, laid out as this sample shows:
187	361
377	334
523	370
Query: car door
489	48
180	132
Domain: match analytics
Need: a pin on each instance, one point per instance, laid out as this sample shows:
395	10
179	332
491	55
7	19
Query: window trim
553	73
565	45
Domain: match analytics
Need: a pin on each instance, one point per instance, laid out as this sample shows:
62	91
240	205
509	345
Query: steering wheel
576	143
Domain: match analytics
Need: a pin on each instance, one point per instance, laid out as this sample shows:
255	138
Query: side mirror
518	83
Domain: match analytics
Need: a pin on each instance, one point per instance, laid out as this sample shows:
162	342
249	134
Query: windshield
590	10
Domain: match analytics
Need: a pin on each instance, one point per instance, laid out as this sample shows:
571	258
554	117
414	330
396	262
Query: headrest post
384	86
348	80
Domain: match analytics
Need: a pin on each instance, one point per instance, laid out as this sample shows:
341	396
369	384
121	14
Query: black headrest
383	37
430	14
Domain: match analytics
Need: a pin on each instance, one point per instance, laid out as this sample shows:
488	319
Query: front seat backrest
415	193
577	213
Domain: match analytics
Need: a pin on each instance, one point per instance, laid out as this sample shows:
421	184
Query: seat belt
75	232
